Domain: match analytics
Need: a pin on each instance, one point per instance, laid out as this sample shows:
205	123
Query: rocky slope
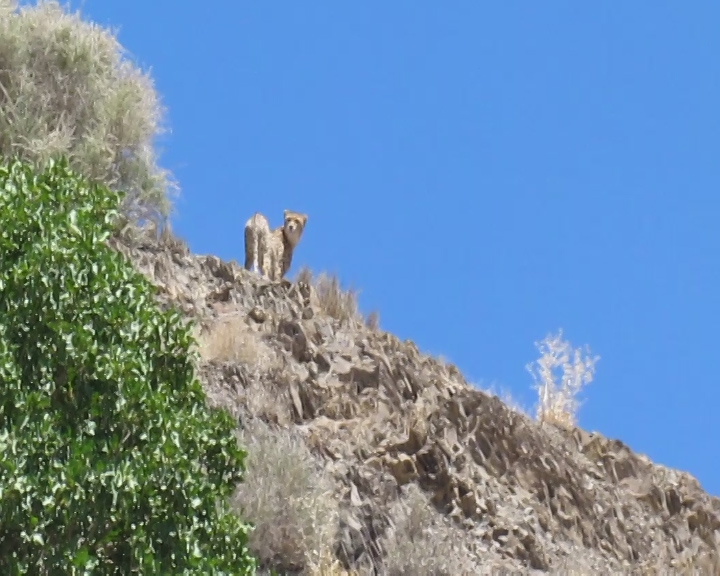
424	468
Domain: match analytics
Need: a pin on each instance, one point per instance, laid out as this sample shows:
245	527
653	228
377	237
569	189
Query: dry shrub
558	403
506	397
373	321
67	88
331	298
150	233
304	276
423	543
334	301
268	400
290	500
230	339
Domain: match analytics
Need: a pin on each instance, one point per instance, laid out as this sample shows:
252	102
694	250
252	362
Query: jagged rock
221	293
297	340
402	467
297	403
383	416
258	314
362	376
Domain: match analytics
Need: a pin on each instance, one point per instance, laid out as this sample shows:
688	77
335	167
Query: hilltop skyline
484	175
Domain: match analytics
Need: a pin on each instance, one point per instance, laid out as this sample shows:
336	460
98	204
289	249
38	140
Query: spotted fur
270	251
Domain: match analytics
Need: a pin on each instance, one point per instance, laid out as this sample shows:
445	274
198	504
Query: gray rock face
384	417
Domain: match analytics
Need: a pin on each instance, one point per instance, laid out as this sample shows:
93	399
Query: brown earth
421	472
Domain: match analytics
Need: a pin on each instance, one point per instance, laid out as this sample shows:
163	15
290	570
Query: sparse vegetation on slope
366	456
112	462
334	300
428	473
290	499
68	88
424	543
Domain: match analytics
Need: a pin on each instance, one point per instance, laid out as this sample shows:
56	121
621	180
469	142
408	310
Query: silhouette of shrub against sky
67	88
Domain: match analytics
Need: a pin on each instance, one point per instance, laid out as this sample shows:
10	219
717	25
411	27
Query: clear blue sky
484	172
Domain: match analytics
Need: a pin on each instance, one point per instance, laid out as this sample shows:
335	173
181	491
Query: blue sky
485	173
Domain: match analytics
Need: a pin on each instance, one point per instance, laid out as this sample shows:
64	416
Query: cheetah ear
285	214
304	219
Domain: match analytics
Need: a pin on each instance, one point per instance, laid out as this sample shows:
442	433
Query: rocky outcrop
382	416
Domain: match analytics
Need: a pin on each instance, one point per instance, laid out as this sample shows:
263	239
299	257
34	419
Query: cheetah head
294	226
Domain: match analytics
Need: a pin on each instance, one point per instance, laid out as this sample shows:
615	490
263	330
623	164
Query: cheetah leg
266	261
251	249
271	267
262	255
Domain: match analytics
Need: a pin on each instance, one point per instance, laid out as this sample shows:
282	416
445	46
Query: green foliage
68	88
111	461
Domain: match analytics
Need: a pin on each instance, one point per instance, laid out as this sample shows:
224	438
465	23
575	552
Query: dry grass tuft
67	88
230	340
332	299
423	543
268	400
373	321
304	276
558	403
506	397
290	500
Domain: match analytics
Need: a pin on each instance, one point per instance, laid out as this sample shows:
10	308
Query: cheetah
270	252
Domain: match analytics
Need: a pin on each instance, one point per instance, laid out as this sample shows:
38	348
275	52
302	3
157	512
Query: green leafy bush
111	460
68	88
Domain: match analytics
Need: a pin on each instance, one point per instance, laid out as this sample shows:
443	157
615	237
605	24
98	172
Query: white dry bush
559	374
290	499
68	89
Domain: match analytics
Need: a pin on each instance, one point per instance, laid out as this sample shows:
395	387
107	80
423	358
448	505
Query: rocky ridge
384	419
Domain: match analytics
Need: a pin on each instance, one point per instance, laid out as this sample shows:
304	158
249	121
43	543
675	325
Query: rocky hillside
367	456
